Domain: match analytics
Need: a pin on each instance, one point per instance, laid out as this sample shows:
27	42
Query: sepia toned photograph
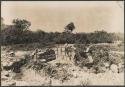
62	43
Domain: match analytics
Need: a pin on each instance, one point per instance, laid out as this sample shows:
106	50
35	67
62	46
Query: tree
21	24
70	27
2	23
16	33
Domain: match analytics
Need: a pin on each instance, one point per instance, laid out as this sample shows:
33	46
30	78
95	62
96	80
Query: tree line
19	33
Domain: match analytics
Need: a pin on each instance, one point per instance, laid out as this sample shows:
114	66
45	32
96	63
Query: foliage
21	24
99	53
70	27
15	34
18	33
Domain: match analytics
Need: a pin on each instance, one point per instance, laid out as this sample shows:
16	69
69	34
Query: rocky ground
56	72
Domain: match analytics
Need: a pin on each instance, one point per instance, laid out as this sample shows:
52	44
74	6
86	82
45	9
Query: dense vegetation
19	33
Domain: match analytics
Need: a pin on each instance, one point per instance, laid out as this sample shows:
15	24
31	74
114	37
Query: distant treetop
70	27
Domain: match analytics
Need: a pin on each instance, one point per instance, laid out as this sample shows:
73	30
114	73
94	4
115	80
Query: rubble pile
103	59
11	65
90	62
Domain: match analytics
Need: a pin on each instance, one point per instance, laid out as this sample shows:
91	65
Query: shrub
99	53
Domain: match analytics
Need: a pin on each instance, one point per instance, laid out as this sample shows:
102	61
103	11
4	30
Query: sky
52	16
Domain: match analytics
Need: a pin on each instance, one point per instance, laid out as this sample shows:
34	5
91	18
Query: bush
100	54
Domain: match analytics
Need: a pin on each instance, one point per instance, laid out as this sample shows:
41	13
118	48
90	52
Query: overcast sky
87	16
